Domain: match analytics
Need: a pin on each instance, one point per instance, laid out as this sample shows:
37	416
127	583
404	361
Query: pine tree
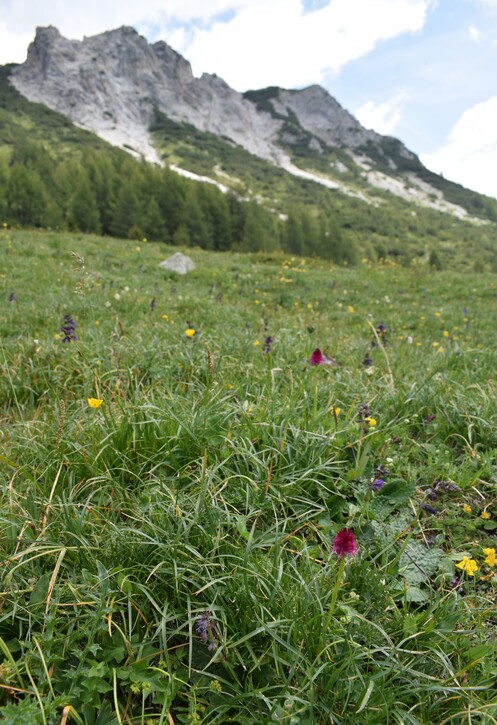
27	200
293	235
153	223
83	213
194	221
104	179
126	212
216	212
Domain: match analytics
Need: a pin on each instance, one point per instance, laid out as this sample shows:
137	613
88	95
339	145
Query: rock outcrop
112	83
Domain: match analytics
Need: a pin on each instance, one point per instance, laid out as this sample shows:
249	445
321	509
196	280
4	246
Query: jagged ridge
114	83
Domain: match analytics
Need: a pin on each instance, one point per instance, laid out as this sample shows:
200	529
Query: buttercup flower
95	402
467	509
344	543
490	557
485	515
190	332
468	565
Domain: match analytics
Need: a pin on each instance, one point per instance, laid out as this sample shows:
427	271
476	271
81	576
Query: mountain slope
115	83
347	192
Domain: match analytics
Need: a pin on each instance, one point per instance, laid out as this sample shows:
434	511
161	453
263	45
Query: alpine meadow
264	491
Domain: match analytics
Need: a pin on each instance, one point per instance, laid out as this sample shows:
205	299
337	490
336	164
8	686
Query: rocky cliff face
113	83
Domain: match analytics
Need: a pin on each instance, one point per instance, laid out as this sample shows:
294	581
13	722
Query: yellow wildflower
490	557
467	508
335	410
190	332
350	308
372	422
468	565
256	343
485	515
95	402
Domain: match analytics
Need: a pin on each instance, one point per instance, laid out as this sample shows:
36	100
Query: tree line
111	193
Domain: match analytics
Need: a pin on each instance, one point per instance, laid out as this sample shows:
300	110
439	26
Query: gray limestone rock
112	84
179	263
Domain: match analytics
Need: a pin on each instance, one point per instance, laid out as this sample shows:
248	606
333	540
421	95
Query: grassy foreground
174	478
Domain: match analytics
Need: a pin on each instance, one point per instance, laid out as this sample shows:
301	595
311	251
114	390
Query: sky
424	71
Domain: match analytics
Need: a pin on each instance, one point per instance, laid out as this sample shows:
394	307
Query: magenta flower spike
344	543
317	358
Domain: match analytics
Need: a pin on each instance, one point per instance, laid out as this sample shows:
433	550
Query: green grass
213	478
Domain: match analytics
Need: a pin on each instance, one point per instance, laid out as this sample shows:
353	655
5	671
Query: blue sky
424	71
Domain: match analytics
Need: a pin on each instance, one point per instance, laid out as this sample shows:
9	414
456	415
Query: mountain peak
114	84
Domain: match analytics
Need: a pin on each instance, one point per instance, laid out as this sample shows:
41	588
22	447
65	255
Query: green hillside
177	478
55	174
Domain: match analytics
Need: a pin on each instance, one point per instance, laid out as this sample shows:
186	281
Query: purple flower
381	334
381	472
363	412
206	630
368	361
153	304
377	484
344	543
12	297
267	344
317	358
68	329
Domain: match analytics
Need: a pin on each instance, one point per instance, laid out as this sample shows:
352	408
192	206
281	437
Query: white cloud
382	118
470	156
275	43
266	42
75	20
489	4
474	33
13	46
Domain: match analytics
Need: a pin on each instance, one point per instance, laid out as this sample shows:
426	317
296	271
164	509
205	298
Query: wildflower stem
382	348
334	593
